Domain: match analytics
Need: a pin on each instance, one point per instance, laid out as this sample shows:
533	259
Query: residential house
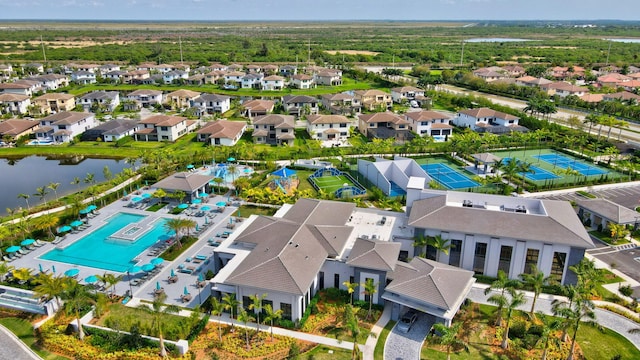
213	76
145	97
64	126
163	128
212	103
6	70
514	71
174	76
50	81
274	129
342	103
632	85
488	233
613	80
181	99
164	68
115	76
107	68
384	125
273	82
132	77
532	81
592	98
374	99
328	77
196	79
83	77
564	89
54	102
302	81
405	93
564	73
147	66
33	68
92	68
329	127
110	131
487	120
17	128
23	87
490	74
234	77
14	103
253	108
252	80
222	132
300	105
253	68
217	67
430	123
623	96
288	70
105	100
235	67
270	69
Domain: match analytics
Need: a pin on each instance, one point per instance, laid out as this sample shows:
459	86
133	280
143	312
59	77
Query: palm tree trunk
271	330
80	330
546	346
163	351
505	337
246	332
573	341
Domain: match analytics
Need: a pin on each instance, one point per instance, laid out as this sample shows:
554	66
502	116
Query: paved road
633	133
401	346
12	348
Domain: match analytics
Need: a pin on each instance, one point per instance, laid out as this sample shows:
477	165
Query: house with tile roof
212	103
221	132
50	81
302	81
272	83
430	123
17	128
384	125
135	76
174	76
256	107
163	128
64	126
145	97
328	77
252	80
112	130
288	70
341	103
564	89
55	102
374	99
181	99
329	127
299	105
22	87
274	129
624	96
83	77
405	93
482	119
107	100
14	103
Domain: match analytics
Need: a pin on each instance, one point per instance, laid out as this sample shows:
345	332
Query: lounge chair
201	257
38	243
6	259
185	298
24	251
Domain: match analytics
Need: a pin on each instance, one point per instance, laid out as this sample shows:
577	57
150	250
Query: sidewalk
372	340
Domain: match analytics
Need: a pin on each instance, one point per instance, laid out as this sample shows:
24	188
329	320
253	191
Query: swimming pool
41	142
99	249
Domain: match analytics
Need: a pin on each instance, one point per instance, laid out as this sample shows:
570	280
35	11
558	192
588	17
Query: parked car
414	104
407	321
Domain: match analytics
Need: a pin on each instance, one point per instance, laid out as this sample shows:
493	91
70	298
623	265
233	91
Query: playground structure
286	184
333	180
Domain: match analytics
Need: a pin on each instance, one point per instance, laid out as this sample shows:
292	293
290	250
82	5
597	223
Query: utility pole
608	52
462	54
309	55
44	55
180	42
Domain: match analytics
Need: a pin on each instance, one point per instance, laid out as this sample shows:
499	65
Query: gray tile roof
560	224
184	181
610	210
318	212
295	99
116	126
374	254
430	282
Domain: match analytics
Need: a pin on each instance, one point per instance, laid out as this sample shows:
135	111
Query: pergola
484	159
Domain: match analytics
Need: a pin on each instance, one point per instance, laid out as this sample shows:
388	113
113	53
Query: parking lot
626	261
627	196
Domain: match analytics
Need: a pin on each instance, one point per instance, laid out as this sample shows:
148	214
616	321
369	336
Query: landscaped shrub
518	329
626	290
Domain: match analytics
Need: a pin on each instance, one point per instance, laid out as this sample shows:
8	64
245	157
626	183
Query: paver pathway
13	348
406	346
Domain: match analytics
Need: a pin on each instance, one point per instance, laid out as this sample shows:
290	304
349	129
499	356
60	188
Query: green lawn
24	330
605	344
378	353
604	236
323	352
332	183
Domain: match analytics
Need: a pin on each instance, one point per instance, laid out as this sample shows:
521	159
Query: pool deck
146	290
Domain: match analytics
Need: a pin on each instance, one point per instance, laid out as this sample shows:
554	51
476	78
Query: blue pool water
98	251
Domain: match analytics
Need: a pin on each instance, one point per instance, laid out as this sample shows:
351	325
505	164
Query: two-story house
430	123
105	100
329	127
54	102
133	77
6	70
145	97
302	81
253	108
213	76
163	128
23	87
17	128
288	70
83	77
483	118
274	129
114	76
234	77
14	103
107	68
111	130
222	132
564	89
374	99
51	81
252	80
273	82
342	103
174	76
299	105
406	93
384	125
328	77
64	126
181	99
212	103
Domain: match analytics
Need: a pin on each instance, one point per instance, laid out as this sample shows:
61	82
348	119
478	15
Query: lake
25	175
495	39
630	40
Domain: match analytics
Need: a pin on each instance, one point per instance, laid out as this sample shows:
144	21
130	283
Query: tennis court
539	173
448	177
565	162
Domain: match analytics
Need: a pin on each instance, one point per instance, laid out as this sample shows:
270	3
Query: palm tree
217	308
517	299
582	309
421	241
256	306
231	304
271	316
90	179
76	297
4	269
22	274
525	168
449	337
54	186
352	324
218	181
47	222
245	318
589	277
502	283
535	280
159	311
110	280
26	199
558	307
76	181
176	225
510	169
351	288
549	325
370	288
51	286
42	192
440	245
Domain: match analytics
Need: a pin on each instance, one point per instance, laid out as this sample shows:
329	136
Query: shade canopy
64	229
221	203
84	211
27	242
186	292
136	198
91	207
76	223
156	261
231	159
146	195
72	272
173	273
12	249
134	269
196	201
202	194
183	206
91	279
190	166
284	172
200	277
205	208
148	267
158	287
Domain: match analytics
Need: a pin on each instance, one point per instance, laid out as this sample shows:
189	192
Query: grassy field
24	331
323	352
378	353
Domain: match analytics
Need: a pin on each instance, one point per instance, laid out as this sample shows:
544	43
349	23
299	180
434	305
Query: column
468	252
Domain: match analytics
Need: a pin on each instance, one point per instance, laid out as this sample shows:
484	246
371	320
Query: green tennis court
332	183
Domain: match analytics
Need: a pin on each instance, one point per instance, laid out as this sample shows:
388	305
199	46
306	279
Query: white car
407	321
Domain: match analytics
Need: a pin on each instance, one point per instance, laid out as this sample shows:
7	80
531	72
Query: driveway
401	346
12	348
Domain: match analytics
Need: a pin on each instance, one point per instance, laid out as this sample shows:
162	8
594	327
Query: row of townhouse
48	103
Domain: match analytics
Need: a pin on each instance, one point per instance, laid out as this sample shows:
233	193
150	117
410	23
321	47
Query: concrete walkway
372	340
13	348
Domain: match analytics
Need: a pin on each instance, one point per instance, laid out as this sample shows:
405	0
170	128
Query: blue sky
320	9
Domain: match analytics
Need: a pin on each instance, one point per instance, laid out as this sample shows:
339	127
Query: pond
495	39
25	175
629	40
